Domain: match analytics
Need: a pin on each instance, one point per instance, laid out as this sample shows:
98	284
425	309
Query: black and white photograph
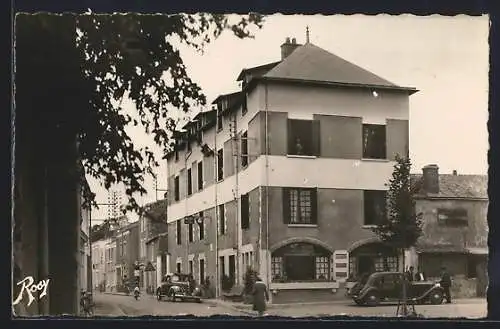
250	165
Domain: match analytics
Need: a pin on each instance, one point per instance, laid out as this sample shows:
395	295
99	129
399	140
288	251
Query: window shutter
316	137
290	137
286	205
314	206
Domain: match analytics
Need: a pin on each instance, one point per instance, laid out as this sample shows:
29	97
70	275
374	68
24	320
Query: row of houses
288	176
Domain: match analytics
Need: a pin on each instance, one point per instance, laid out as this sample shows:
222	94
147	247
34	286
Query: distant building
455	229
153	244
85	267
126	241
288	176
99	263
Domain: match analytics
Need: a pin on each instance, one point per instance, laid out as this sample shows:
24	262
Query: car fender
364	292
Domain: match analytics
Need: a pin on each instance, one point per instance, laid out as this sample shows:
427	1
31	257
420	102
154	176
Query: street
118	305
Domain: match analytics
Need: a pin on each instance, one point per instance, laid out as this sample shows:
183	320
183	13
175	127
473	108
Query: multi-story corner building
455	228
126	241
288	175
152	244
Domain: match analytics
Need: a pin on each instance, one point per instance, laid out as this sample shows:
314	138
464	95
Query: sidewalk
247	308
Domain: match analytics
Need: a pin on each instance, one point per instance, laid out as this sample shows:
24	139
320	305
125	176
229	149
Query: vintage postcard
250	165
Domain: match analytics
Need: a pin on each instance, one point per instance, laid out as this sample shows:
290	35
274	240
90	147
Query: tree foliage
402	226
136	56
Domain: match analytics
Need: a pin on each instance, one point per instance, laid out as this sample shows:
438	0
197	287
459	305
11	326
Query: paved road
114	305
463	308
117	305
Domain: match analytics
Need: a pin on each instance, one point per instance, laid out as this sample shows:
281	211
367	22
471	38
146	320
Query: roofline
225	95
409	90
241	75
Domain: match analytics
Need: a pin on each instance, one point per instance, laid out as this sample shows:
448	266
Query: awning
478	250
441	248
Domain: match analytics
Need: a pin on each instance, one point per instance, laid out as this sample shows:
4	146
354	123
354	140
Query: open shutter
340	265
286	205
314	206
289	137
316	137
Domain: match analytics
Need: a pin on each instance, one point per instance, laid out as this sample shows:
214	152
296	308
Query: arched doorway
299	262
373	256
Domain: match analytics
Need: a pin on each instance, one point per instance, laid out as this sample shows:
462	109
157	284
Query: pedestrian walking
260	296
446	284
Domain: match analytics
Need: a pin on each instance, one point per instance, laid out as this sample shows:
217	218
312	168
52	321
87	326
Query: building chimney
455	173
431	178
288	47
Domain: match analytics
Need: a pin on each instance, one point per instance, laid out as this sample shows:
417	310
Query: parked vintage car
387	287
177	286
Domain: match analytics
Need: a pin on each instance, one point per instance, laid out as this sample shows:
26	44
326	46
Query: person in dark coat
260	296
446	284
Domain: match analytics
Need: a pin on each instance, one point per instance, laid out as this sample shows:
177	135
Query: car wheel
359	302
372	299
436	298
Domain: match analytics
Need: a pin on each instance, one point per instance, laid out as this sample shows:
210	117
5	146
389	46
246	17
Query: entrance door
365	265
232	269
299	268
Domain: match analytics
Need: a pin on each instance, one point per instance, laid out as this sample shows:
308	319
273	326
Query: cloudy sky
446	58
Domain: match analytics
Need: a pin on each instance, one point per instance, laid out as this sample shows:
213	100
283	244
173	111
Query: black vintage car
387	287
178	286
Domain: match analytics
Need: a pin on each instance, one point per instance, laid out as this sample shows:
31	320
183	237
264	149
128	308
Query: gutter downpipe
216	253
268	255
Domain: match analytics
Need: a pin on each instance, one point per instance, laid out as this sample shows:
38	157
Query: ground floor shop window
300	262
322	268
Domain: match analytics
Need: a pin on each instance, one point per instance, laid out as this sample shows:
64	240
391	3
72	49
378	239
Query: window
222	220
219	120
245	212
276	268
201	224
244	149
303	137
176	189
374	142
191	268
179	231
244	105
200	175
220	164
471	268
179	269
452	217
322	268
202	271
189	182
375	207
299	206
190	233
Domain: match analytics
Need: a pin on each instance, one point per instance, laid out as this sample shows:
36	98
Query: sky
445	58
